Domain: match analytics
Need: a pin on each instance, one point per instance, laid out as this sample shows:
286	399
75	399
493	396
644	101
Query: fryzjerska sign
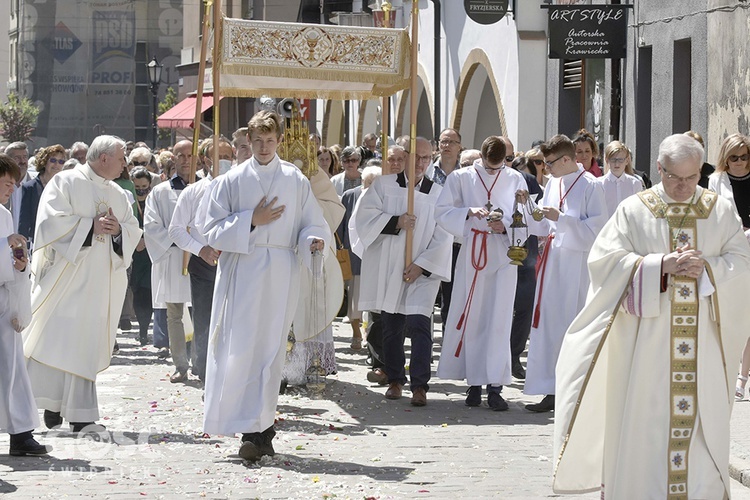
588	31
486	11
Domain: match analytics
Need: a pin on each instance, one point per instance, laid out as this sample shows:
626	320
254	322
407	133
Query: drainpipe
438	96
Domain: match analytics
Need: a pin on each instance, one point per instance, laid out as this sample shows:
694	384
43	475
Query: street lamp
154	78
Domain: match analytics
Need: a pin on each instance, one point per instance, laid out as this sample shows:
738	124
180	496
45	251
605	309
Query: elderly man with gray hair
19	152
85	237
350	177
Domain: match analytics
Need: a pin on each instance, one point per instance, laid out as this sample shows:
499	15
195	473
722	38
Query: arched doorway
333	123
478	111
369	116
425	119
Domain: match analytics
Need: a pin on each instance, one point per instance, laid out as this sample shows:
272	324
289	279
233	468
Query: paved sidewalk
349	443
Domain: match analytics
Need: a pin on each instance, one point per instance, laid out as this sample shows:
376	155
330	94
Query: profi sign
486	11
114	47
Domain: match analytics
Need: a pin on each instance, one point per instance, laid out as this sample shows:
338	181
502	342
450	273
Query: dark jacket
31	193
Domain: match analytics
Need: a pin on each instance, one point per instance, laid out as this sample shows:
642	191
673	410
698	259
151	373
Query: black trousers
394	327
446	287
375	340
523	310
202	279
143	309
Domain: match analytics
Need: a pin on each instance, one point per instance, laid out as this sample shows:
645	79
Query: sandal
356	343
739	390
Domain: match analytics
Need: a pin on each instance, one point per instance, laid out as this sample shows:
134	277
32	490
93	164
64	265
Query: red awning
182	114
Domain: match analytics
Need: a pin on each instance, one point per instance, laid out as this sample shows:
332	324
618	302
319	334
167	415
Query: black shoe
257	444
87	427
125	325
474	395
52	419
116	349
28	446
143	339
517	370
545	405
496	402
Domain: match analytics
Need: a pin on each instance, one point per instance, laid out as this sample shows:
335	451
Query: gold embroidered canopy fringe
312	61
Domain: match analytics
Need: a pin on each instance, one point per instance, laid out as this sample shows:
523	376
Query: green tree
17	118
170	99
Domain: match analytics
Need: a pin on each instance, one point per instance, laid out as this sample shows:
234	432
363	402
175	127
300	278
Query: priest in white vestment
18	413
404	295
476	343
170	287
645	380
574	212
86	234
263	218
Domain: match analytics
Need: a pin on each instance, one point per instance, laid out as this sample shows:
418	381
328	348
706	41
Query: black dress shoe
28	446
87	427
496	402
545	405
517	370
474	395
257	444
52	419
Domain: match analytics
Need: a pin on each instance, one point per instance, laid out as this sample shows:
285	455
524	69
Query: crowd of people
241	270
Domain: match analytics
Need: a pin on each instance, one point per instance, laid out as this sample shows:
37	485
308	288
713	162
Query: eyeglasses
536	162
734	158
55	160
351	159
550	163
448	142
510	158
137	163
676	178
426	158
617	160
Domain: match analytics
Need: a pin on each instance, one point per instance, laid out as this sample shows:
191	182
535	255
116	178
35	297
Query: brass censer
517	252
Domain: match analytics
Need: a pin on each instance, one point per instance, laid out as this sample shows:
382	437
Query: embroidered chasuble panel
683	394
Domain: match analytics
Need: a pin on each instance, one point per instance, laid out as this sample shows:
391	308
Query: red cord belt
540	274
479	262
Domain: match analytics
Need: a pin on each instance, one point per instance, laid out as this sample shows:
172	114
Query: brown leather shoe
178	376
394	391
418	396
377	376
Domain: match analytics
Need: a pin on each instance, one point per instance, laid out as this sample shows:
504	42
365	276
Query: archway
369	114
333	123
425	111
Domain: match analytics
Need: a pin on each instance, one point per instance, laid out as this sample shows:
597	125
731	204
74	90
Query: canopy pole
198	106
216	67
385	106
410	172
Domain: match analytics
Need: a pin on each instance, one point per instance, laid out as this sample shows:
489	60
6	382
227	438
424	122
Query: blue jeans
161	333
393	348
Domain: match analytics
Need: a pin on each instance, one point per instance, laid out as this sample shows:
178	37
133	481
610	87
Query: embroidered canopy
311	61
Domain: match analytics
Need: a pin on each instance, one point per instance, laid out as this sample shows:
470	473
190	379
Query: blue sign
62	43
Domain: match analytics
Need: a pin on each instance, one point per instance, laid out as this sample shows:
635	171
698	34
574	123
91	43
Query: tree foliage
17	118
170	99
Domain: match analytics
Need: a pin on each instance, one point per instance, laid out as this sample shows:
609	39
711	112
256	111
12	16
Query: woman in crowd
328	162
535	165
587	152
618	182
49	161
732	180
140	275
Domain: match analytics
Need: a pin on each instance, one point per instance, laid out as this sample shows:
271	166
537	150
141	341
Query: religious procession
589	287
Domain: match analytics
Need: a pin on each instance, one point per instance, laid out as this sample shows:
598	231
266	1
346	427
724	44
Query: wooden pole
410	172
216	67
198	106
385	105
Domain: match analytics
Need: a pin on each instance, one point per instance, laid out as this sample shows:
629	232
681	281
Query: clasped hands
684	261
16	242
107	223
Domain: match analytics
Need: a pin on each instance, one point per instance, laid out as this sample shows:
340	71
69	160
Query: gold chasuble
644	391
681	218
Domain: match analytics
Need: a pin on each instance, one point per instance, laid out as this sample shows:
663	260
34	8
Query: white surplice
484	357
617	189
18	411
182	226
383	287
257	286
78	291
613	407
168	283
563	282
